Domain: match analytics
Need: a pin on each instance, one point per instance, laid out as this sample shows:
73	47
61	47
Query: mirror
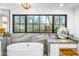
5	20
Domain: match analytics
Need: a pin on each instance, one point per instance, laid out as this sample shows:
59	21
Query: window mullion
53	24
19	23
25	23
33	24
39	23
45	24
65	20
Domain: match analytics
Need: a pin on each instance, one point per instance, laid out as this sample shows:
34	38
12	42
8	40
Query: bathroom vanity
55	46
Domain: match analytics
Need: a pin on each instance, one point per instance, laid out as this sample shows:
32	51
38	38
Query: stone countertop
73	38
61	41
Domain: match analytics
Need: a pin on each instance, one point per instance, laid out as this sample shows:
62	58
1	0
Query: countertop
60	41
74	38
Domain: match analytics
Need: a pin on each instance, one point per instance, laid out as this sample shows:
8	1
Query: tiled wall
32	37
29	37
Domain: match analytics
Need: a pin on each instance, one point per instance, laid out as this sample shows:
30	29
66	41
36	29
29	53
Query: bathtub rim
10	49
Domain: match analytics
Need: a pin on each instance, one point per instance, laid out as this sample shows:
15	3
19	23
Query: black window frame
39	15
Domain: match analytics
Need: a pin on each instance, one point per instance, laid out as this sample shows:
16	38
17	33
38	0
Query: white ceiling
56	5
41	6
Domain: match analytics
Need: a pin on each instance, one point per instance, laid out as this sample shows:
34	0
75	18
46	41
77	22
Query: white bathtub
25	49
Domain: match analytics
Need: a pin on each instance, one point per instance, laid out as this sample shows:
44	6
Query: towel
4	43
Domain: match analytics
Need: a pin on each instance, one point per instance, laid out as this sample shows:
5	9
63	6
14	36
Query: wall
76	22
0	21
19	10
16	9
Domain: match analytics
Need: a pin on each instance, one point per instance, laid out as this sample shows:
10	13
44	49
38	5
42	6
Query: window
38	23
19	24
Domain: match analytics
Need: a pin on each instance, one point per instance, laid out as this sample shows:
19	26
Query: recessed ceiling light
61	5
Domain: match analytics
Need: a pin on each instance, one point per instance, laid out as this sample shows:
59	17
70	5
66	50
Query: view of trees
38	23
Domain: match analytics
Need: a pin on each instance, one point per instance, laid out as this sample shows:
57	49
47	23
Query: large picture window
38	23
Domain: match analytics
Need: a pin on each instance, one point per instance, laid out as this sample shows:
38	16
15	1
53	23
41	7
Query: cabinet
55	48
62	47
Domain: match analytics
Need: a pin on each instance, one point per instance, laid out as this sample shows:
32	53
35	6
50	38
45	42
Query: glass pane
56	27
56	19
22	19
29	28
42	27
16	19
36	28
62	19
62	25
48	24
29	19
22	28
42	23
16	28
29	23
36	19
36	24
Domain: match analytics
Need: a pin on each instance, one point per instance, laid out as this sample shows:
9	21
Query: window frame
39	22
